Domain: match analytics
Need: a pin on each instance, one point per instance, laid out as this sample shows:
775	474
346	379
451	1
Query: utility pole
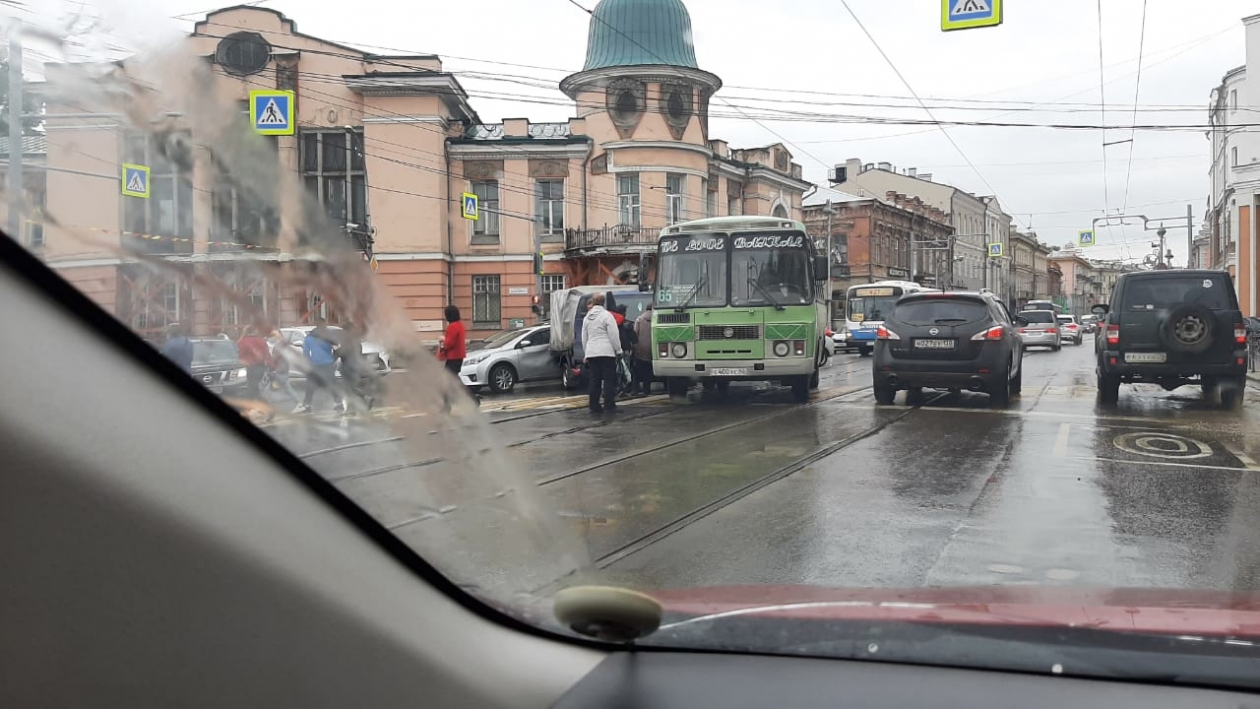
829	210
15	186
1191	261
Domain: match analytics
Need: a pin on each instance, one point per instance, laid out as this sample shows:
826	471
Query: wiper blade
694	291
765	292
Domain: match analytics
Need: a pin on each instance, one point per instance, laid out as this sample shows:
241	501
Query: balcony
616	239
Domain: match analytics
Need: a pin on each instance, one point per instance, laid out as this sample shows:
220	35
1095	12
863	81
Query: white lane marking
1242	456
414	416
1144	463
1061	441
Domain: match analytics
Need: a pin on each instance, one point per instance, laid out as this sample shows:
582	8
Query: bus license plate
729	371
1146	357
934	344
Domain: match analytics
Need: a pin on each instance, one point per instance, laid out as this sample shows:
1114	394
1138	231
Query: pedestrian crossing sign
1085	238
995	250
135	180
271	112
471	209
967	14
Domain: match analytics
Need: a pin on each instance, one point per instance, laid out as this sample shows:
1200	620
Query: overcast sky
1041	66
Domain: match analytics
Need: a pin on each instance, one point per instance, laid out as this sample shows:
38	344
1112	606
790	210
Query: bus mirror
821	267
645	269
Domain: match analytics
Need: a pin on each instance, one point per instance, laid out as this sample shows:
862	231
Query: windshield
770	276
940	311
427	187
207	352
692	272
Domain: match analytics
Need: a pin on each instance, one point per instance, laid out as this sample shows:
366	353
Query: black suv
1171	328
949	340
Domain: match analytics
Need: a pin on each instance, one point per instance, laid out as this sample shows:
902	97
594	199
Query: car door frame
1008	324
535	361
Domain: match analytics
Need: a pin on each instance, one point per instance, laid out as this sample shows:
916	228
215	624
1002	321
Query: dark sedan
217	365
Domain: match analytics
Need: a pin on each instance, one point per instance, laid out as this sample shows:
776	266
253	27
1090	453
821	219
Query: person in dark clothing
360	376
642	354
625	330
178	348
318	348
254	354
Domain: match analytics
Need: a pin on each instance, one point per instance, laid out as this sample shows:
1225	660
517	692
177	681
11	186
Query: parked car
953	340
1069	329
217	365
1040	329
1173	328
568	310
509	357
373	353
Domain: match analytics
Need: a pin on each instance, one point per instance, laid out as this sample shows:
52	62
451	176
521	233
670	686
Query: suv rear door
939	317
1161	311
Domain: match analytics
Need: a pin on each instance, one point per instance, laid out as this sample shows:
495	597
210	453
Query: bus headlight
781	348
679	350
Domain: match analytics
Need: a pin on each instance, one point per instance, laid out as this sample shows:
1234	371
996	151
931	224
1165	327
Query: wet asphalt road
1159	491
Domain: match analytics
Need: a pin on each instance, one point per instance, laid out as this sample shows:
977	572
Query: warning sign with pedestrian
966	14
135	180
271	112
471	209
1085	237
995	250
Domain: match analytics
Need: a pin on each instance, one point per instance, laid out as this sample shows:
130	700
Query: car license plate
729	371
934	344
1145	357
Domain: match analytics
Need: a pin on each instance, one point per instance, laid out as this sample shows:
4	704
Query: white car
509	357
376	355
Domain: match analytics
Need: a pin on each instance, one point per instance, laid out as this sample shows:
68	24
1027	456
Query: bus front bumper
736	370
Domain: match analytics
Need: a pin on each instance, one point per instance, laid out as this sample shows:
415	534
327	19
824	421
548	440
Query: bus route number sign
873	292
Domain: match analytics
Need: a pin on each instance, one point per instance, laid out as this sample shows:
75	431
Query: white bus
867	305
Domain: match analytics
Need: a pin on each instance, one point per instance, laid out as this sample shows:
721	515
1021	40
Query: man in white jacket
601	346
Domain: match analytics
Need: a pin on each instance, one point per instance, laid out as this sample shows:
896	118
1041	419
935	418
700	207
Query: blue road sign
471	209
995	250
1085	237
271	112
135	180
966	14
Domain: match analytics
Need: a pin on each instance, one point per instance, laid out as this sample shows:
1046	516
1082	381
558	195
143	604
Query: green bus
738	299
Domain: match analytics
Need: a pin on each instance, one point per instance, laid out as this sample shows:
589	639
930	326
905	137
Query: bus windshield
770	276
692	272
872	304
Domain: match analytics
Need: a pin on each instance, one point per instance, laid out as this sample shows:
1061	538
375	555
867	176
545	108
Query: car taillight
1051	330
1113	334
798	347
1071	326
993	333
1240	334
884	333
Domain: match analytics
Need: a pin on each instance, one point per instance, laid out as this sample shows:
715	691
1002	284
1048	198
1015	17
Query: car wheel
1000	395
885	394
568	379
1017	384
815	379
1232	393
1056	348
502	378
1108	388
800	389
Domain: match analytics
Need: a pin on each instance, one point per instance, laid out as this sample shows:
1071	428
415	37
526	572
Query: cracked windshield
926	324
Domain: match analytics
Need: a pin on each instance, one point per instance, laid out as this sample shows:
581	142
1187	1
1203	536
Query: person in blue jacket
178	348
319	349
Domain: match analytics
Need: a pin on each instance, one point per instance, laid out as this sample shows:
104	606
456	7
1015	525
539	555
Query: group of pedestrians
268	364
618	353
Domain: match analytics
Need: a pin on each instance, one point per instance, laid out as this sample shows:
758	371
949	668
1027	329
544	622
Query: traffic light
538	263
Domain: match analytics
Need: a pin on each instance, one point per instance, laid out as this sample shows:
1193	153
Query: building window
1233	157
487	307
550	284
734	198
780	211
710	199
486	228
549	209
242	215
675	197
162	224
333	172
628	200
1233	100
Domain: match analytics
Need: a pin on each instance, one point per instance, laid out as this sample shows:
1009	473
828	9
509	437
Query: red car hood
1162	611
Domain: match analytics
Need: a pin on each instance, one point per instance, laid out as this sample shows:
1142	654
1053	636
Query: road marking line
1242	456
1061	441
413	416
1144	463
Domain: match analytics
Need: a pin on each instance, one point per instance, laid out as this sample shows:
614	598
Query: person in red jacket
454	346
254	354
